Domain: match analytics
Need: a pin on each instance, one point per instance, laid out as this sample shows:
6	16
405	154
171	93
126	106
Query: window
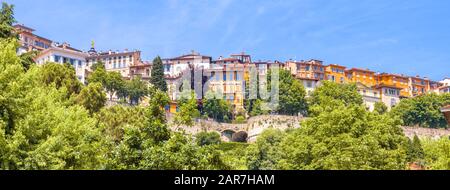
57	58
309	84
224	76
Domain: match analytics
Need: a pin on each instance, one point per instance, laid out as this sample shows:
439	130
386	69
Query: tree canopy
423	111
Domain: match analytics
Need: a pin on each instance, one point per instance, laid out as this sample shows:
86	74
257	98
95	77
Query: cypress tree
157	78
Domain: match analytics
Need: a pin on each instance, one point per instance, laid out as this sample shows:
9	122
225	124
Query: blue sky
397	36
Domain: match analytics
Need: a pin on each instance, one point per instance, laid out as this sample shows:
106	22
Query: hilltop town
234	70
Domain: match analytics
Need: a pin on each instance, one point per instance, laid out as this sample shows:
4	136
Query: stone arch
240	136
228	134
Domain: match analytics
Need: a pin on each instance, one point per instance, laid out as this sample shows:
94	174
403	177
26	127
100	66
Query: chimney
126	51
220	57
65	45
110	52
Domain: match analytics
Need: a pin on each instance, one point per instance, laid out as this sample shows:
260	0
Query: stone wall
425	132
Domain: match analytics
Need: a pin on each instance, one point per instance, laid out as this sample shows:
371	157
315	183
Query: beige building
115	61
370	95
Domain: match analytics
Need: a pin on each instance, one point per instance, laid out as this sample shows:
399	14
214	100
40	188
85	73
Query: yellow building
229	81
335	73
363	76
398	81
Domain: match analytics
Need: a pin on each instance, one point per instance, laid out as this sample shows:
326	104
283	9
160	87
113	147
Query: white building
176	66
370	95
446	86
390	95
309	84
65	54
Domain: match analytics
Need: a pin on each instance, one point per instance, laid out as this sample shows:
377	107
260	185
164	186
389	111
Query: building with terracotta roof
30	41
396	80
312	69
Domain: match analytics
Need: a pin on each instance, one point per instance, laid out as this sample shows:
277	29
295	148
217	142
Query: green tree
92	97
330	95
216	108
415	151
6	21
62	76
207	138
157	78
181	153
114	83
291	94
188	111
258	109
39	129
26	59
99	74
156	118
422	111
346	138
437	154
97	65
380	108
136	89
265	153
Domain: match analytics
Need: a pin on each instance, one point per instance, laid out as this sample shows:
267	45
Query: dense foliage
291	94
49	120
217	108
423	111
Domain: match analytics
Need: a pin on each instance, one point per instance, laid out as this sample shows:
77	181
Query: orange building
399	81
335	73
312	69
418	86
363	76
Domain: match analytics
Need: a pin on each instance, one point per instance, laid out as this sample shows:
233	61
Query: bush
240	119
207	138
